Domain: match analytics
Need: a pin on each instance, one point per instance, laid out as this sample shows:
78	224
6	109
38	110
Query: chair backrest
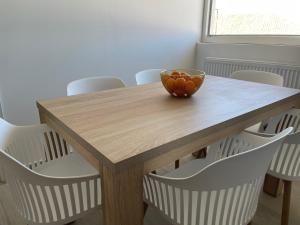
225	192
42	199
148	76
233	145
93	84
259	77
49	200
286	162
33	145
280	122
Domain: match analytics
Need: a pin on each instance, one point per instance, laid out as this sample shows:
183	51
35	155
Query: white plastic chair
286	162
93	84
49	183
223	192
259	77
148	76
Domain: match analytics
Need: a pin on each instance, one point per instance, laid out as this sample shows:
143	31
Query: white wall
270	53
45	44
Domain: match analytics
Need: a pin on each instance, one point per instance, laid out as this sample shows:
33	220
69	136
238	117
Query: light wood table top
128	132
129	124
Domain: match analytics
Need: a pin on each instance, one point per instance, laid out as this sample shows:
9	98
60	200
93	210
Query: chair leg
145	208
177	164
273	186
286	202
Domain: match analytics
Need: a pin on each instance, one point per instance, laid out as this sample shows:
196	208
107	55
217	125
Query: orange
179	92
164	78
183	74
179	84
175	73
190	87
170	84
175	76
197	80
187	77
179	87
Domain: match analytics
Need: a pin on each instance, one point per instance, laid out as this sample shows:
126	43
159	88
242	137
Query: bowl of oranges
182	83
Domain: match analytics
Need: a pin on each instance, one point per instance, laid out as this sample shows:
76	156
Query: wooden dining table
128	132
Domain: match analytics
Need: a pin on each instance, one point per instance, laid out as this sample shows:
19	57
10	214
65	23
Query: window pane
255	17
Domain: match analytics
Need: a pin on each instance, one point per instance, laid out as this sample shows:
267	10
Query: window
258	21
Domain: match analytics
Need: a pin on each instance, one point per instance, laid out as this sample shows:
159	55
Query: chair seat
254	128
72	165
188	169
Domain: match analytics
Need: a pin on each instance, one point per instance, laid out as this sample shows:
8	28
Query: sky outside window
255	17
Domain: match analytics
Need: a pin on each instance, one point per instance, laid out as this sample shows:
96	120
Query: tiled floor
268	212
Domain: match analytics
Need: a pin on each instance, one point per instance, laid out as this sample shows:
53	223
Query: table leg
122	196
286	204
273	186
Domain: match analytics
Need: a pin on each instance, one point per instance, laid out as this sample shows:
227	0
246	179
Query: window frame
242	39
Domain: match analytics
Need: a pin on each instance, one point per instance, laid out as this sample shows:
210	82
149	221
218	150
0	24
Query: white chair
49	183
259	77
148	76
223	192
93	84
286	162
